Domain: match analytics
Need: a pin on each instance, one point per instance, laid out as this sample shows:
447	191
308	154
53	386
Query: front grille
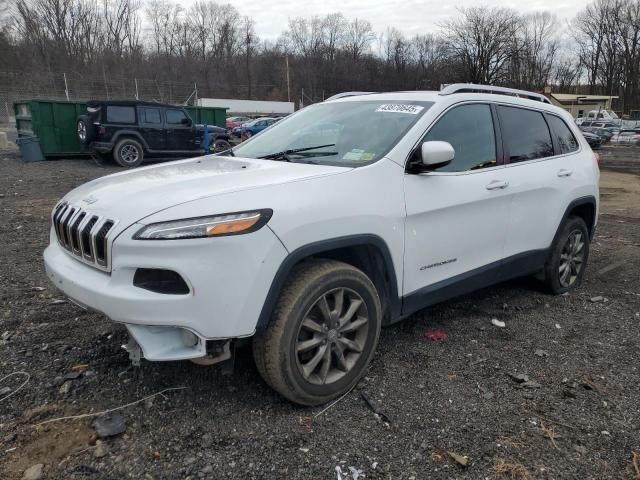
83	234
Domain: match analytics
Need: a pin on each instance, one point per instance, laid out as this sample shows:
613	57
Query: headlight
200	227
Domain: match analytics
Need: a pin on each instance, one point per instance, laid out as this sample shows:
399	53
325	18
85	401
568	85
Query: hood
130	196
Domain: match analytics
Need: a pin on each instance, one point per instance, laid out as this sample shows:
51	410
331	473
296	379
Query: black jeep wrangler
133	130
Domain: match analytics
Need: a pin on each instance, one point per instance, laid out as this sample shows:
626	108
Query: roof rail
347	94
475	88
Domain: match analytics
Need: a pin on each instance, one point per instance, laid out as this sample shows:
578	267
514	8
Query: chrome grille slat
63	226
84	234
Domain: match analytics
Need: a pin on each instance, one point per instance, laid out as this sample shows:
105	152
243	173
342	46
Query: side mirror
436	154
186	121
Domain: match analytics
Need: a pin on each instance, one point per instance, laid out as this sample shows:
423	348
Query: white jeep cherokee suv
344	217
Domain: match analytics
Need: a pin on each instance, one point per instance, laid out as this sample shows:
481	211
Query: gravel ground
432	397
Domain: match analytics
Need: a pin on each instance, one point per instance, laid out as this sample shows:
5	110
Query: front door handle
564	172
497	185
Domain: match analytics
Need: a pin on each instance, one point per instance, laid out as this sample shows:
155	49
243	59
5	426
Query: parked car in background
626	137
233	122
252	128
605	134
599	125
129	131
599	116
347	216
592	139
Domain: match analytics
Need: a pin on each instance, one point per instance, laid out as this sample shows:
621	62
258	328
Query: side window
151	115
120	114
562	134
525	133
175	116
469	129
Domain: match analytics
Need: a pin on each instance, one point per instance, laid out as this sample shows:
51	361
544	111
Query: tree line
212	45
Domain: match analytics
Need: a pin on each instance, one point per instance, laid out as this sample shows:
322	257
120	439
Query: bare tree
533	51
481	39
358	38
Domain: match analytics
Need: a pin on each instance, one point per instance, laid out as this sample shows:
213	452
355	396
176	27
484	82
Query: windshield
337	133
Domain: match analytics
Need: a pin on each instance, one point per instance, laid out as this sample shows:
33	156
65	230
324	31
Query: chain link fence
72	86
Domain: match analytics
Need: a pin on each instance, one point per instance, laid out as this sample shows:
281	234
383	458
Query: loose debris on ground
431	404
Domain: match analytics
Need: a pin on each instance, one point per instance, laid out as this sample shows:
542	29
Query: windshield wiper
285	153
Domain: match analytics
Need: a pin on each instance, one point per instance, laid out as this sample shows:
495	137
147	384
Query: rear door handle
497	185
564	172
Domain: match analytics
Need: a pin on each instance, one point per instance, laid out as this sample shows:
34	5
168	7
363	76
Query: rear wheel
566	265
323	332
128	153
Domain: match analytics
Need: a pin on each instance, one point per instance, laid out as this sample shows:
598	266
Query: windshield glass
337	133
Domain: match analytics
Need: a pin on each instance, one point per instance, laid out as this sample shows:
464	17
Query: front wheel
221	146
323	332
566	265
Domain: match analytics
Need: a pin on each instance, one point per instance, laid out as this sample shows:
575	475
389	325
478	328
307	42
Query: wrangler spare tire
85	129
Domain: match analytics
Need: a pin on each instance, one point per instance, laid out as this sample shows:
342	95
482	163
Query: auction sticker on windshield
400	108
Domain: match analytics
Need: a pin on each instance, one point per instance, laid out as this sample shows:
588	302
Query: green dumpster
54	123
209	115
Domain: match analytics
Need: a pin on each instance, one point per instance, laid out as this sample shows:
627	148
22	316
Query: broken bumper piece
158	343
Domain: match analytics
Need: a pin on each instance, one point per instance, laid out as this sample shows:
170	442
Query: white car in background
626	137
344	217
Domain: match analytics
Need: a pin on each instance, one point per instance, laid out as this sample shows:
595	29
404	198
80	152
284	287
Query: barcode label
400	108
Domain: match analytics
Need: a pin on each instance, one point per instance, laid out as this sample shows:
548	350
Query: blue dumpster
30	148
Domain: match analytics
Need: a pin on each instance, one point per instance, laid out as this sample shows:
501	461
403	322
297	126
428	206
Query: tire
246	135
128	153
293	374
85	129
221	145
567	255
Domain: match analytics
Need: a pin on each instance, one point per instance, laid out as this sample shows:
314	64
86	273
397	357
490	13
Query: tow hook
135	353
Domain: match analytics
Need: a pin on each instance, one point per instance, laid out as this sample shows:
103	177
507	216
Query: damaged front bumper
226	278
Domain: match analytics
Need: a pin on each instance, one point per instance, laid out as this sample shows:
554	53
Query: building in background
249	107
580	105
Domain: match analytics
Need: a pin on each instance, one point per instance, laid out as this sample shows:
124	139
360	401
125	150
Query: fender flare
130	133
315	248
586	200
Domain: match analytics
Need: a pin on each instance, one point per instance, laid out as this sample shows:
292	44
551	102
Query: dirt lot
456	395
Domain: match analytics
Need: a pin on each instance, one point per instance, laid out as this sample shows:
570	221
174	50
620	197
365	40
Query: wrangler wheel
323	332
128	153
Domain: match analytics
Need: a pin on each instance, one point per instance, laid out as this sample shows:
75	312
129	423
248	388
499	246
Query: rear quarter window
525	133
563	136
121	114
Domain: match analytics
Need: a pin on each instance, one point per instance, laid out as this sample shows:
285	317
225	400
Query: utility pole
66	87
288	87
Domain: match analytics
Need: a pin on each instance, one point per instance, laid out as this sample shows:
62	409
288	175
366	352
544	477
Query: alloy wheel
571	259
129	153
82	131
332	336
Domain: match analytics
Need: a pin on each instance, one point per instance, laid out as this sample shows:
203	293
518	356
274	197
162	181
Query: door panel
152	127
541	184
457	216
454	225
180	136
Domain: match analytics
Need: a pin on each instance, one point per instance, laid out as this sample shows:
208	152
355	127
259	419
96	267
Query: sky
409	16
